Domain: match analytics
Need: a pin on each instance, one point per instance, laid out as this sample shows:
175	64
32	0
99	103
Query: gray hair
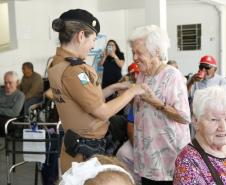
172	62
13	74
156	40
211	97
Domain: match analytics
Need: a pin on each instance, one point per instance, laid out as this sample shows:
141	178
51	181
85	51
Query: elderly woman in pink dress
204	160
162	115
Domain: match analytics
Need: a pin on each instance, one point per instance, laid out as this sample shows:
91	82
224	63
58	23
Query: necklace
158	69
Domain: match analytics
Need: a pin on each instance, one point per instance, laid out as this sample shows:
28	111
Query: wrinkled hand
139	90
196	78
149	94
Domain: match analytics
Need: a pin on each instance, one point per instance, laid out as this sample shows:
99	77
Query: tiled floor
24	174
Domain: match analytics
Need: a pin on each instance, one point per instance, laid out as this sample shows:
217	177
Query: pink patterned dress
158	139
191	169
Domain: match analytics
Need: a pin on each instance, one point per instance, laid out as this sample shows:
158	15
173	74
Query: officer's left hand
121	87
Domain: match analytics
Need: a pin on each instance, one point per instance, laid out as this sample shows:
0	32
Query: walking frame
10	146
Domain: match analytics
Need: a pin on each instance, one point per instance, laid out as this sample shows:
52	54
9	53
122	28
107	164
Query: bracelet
161	107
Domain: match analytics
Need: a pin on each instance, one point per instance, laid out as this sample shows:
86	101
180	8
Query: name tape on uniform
84	79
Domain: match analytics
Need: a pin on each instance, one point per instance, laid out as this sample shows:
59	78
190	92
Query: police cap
82	16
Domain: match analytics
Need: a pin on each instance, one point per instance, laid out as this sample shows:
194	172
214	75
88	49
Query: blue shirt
130	117
216	80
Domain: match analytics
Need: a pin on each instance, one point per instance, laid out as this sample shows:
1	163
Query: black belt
75	144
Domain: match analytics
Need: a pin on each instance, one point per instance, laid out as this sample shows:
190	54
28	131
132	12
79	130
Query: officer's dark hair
73	21
67	29
28	65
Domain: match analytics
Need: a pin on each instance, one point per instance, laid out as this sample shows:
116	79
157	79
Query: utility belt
75	144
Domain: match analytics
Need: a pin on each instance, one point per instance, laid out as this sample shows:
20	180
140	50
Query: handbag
212	170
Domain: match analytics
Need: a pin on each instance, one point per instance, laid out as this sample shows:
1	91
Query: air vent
189	37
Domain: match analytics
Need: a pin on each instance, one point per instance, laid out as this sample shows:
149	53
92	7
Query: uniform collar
64	53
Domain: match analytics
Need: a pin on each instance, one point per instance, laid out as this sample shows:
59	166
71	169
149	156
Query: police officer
76	89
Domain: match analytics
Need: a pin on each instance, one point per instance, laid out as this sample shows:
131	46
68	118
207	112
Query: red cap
133	68
207	59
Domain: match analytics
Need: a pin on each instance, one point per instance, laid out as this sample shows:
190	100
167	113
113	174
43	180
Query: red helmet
133	68
207	59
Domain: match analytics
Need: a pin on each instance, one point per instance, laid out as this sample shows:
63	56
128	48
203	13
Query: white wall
108	5
134	18
113	25
4	24
188	13
37	41
178	12
193	14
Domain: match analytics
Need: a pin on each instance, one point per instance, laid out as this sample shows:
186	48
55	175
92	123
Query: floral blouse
157	139
191	169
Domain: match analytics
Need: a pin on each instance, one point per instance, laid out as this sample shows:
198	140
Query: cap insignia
94	23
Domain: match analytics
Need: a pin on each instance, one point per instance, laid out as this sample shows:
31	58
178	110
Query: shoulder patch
84	79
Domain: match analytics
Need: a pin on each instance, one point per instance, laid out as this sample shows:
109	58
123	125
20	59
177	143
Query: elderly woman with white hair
161	115
204	160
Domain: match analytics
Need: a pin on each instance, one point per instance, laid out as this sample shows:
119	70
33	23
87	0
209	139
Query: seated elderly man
31	85
11	99
205	77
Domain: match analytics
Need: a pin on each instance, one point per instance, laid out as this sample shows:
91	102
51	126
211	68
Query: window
189	37
4	24
7	25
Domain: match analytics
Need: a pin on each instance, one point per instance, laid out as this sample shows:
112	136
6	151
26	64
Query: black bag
75	144
118	133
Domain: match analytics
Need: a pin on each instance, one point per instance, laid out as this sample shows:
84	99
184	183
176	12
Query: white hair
156	39
13	74
213	98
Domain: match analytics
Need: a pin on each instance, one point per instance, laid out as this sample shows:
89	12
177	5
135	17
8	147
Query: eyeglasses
205	66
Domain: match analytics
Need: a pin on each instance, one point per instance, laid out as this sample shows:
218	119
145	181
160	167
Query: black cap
82	16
